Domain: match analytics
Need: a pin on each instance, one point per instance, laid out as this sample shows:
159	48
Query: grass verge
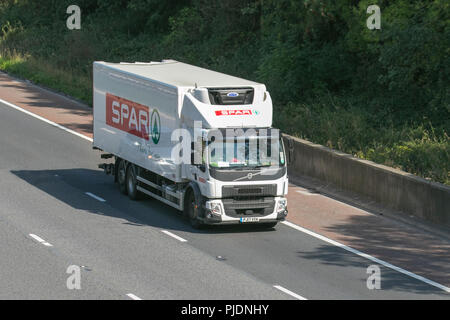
41	72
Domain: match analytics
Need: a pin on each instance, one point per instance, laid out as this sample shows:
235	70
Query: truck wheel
131	184
121	176
192	208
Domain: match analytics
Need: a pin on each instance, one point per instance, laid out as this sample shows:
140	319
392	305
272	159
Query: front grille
249	191
265	190
257	207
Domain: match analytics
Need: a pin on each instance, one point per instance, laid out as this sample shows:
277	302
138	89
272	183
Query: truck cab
243	185
242	176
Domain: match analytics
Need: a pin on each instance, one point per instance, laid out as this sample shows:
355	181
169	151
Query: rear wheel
131	184
121	176
192	209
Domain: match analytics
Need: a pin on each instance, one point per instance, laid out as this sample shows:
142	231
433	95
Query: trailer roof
180	74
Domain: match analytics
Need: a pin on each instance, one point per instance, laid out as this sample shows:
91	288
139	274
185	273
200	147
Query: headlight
282	205
214	207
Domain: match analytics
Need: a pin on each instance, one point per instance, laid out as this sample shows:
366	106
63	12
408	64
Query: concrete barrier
391	188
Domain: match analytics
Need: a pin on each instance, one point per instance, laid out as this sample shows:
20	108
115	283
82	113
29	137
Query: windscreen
251	152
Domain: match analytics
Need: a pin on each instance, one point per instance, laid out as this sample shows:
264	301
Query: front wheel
192	209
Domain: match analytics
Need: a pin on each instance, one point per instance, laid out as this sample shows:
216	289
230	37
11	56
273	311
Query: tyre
192	209
121	176
131	184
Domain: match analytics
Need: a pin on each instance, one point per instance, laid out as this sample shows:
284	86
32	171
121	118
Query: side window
203	152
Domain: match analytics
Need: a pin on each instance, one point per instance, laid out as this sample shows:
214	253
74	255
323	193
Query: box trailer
198	140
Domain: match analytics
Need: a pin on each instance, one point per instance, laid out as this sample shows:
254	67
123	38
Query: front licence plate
250	219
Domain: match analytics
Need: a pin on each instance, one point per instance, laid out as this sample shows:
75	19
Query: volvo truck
198	140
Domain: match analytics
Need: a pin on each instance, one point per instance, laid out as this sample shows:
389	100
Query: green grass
42	72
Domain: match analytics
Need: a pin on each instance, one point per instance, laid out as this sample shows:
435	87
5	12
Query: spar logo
133	118
156	126
237	112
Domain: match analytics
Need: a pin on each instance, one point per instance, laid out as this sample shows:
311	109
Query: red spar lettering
234	113
127	116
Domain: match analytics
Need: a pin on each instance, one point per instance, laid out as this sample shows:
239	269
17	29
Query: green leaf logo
156	126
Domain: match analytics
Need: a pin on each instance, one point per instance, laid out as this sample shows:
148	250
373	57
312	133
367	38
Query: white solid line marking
45	120
369	257
40	240
289	292
307	193
134	297
174	235
95	197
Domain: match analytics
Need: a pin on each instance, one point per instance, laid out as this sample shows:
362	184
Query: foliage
381	95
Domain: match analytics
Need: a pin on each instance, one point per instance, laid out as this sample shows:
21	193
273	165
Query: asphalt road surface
58	210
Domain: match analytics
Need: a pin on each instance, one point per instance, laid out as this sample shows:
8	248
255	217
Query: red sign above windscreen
234	113
128	116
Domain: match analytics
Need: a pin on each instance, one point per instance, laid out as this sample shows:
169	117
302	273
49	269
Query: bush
381	95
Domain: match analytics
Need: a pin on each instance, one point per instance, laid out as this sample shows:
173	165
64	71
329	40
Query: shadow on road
389	280
400	245
70	186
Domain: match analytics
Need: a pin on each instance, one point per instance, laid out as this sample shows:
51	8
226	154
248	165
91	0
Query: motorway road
123	246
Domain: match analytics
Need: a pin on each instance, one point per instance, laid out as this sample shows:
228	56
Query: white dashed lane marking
95	197
174	236
289	292
40	240
134	297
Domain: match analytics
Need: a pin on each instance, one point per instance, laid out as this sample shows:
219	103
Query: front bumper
213	219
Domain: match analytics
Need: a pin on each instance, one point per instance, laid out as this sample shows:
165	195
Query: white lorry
198	140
